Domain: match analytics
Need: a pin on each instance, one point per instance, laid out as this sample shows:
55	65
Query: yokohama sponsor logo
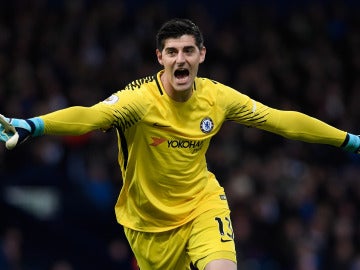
185	144
156	141
193	146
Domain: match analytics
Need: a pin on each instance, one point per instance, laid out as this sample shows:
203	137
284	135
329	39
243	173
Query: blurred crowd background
294	205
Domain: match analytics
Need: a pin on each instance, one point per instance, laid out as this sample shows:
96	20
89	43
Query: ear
159	57
202	54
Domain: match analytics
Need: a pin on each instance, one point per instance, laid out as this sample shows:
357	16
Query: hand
15	131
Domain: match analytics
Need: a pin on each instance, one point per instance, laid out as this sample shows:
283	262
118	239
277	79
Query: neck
176	95
179	96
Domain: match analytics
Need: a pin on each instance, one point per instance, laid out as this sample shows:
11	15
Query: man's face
180	59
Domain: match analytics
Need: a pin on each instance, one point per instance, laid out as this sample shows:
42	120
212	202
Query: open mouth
181	74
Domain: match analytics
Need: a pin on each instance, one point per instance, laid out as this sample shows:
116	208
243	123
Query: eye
189	50
171	52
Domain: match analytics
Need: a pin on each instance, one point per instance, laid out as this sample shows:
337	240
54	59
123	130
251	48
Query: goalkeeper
173	209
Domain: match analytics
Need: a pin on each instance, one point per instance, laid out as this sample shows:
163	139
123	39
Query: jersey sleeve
298	126
121	110
290	124
76	120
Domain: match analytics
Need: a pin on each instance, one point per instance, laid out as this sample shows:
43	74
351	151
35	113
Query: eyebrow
185	48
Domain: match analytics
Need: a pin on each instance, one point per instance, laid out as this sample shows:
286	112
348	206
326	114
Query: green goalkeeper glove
15	131
352	143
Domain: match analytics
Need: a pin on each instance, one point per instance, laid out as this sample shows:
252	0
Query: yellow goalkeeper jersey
162	145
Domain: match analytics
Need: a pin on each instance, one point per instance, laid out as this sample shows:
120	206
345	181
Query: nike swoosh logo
159	125
224	240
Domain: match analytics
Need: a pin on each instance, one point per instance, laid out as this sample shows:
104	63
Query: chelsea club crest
206	125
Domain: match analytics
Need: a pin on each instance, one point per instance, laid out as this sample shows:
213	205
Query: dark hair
175	28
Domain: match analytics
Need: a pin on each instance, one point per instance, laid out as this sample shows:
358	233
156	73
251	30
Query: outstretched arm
70	121
298	126
75	121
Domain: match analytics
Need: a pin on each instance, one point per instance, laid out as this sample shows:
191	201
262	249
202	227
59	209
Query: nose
180	57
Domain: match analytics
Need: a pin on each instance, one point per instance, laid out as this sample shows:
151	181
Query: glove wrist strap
37	126
351	143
